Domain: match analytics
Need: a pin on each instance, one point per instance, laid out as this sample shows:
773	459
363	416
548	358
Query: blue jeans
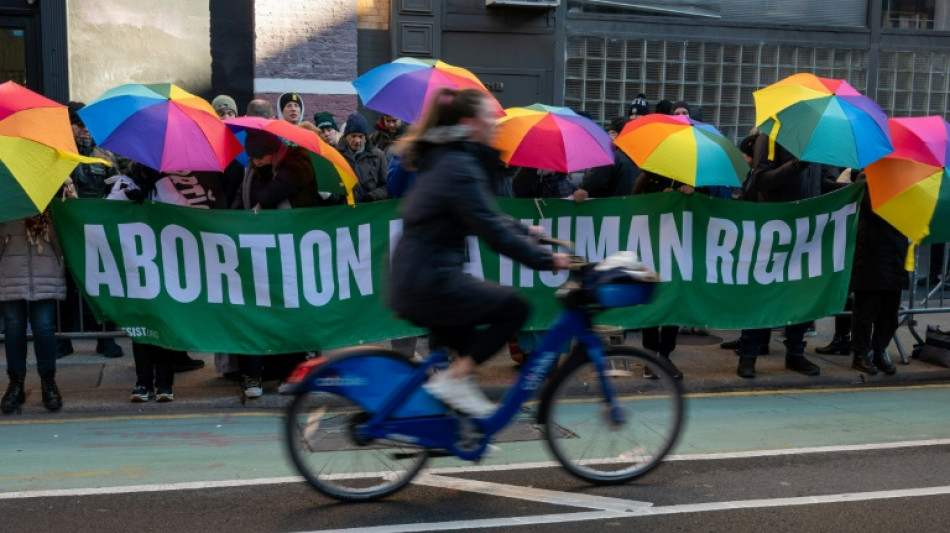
42	317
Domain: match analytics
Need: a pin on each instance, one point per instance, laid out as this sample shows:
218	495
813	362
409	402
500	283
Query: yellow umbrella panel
30	175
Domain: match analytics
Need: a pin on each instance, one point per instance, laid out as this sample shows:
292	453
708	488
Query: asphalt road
867	460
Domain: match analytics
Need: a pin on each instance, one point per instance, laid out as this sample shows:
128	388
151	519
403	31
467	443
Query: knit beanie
260	143
286	98
224	102
355	123
678	105
324	119
640	106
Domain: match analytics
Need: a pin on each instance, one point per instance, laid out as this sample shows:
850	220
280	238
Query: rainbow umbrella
553	138
333	172
161	126
823	121
910	187
683	149
404	87
37	151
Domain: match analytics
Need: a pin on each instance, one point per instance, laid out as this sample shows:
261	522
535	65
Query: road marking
637	512
218	416
531	494
198	485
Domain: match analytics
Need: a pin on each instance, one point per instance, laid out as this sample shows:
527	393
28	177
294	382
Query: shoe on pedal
461	394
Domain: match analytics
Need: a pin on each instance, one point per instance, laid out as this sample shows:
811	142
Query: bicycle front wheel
604	445
322	444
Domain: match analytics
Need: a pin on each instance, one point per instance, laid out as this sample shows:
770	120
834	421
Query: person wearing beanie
290	108
368	162
224	106
639	108
278	176
680	108
328	130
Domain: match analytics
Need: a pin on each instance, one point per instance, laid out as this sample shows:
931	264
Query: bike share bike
361	426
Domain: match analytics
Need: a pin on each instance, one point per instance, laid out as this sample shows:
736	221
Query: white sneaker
252	387
461	394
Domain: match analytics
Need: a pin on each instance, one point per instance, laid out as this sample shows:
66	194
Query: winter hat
678	105
355	123
286	98
260	143
324	119
74	108
664	107
640	106
223	102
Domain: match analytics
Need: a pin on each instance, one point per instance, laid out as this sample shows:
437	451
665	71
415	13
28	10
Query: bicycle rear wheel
320	437
605	448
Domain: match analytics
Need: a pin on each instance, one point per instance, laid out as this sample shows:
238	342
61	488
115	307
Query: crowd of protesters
279	175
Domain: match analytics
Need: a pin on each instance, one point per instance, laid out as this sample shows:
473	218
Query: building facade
592	55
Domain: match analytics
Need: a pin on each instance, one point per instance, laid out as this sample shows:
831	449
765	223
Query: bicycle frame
466	437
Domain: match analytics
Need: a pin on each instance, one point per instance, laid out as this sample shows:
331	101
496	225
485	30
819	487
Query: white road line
647	511
161	487
197	485
569	499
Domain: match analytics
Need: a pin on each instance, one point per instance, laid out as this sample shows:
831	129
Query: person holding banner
452	199
778	176
660	339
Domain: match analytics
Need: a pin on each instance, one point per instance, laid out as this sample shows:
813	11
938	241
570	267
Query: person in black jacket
611	180
452	199
778	176
877	278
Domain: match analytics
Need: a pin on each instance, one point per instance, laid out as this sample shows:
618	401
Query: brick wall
308	47
373	14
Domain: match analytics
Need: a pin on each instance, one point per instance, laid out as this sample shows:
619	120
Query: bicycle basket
621	281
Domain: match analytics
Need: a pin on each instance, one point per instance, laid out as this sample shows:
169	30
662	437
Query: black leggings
482	343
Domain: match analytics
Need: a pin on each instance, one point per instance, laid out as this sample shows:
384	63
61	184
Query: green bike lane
150	450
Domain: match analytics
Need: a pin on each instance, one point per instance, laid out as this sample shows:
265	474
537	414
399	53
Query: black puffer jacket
879	253
452	199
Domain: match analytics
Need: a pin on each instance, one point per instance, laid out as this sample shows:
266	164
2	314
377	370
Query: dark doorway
19	54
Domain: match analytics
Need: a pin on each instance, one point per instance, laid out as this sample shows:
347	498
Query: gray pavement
93	384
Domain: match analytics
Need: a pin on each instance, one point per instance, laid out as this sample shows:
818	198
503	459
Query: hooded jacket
452	199
280	112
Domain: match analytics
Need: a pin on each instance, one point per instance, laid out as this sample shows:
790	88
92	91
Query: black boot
15	395
863	363
883	362
746	368
730	345
52	400
796	362
840	345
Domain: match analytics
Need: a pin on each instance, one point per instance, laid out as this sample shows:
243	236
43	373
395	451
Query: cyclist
452	199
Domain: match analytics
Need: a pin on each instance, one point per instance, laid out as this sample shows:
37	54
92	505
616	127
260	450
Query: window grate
603	75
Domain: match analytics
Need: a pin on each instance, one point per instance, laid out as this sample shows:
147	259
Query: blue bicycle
361	426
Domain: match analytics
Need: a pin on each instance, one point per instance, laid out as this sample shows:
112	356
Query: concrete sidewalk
93	384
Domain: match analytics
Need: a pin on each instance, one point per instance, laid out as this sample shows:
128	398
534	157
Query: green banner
307	279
